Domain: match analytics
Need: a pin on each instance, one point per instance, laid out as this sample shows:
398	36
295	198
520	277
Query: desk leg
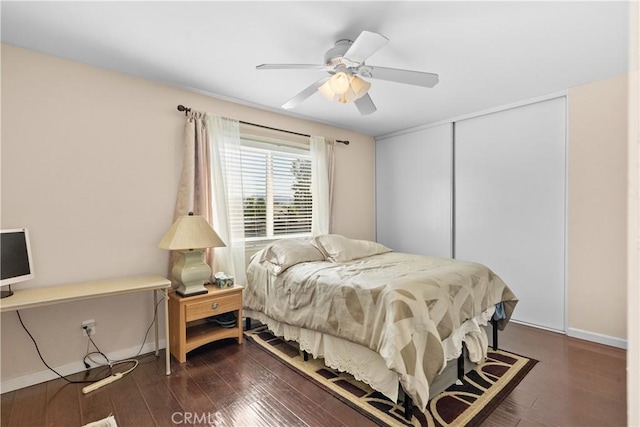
165	294
155	310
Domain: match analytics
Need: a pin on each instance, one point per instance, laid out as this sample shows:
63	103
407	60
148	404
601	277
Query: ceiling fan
345	63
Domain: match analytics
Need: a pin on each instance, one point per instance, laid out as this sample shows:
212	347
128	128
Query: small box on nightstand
223	281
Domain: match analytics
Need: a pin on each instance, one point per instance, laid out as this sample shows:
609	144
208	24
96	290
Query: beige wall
633	314
90	164
597	208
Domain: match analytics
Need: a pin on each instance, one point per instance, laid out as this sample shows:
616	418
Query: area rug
468	404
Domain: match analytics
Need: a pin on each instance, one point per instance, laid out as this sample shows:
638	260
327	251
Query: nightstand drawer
213	306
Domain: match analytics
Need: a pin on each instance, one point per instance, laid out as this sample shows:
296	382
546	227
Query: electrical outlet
88	328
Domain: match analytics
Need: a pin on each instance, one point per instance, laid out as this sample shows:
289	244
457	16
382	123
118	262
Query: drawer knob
214	305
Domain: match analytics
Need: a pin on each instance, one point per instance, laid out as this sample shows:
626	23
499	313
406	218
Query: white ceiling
486	53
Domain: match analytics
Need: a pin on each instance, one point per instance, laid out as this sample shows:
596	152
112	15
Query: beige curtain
322	161
331	167
194	193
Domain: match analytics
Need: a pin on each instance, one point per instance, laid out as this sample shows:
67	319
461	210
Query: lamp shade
190	232
359	87
339	83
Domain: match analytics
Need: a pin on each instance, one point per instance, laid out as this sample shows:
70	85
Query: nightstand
188	329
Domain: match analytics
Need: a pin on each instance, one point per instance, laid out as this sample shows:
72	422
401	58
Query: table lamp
190	235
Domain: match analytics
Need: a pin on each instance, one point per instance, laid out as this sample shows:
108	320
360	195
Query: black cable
42	359
84	360
144	339
88	355
35	344
99	351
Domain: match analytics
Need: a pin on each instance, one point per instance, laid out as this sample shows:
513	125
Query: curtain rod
341	141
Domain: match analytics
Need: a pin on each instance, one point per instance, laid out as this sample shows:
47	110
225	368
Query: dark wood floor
576	383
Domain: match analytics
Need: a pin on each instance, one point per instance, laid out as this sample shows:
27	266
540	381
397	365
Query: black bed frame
408	402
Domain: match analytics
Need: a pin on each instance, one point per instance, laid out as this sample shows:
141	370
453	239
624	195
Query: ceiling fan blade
417	78
364	46
365	105
290	67
313	88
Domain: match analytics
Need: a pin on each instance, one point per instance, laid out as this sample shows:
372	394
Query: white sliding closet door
414	192
510	203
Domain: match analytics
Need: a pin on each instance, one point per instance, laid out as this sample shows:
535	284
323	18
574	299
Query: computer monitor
15	258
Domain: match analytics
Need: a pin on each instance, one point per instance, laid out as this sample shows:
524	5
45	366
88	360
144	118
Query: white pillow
282	254
338	248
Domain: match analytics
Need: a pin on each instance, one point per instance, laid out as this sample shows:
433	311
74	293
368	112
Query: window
276	187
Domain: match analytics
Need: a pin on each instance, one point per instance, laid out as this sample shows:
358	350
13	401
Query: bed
393	320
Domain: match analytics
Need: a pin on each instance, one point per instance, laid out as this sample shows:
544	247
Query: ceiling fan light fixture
345	97
360	87
340	82
356	89
326	90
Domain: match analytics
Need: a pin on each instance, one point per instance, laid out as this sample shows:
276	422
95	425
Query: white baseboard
583	335
599	338
520	322
72	368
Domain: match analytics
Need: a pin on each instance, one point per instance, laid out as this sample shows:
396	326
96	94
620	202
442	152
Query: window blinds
276	186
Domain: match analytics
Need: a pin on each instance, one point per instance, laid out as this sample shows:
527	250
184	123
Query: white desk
38	297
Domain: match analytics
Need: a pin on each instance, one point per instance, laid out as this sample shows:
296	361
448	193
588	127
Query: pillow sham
282	254
337	248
